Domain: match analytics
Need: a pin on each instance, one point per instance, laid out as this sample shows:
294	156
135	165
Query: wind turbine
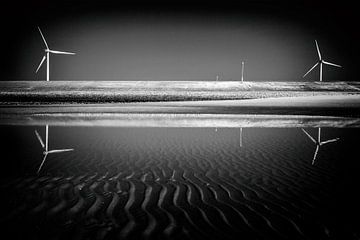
320	62
46	146
47	56
318	142
242	71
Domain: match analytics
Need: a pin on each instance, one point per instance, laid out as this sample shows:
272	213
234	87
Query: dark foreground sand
171	184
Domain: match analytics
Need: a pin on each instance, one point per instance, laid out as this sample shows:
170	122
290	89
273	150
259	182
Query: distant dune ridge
148	91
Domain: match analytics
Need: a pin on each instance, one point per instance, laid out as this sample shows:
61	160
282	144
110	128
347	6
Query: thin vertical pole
319	135
242	71
321	65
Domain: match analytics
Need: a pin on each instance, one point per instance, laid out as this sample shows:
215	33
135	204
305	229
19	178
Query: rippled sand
177	184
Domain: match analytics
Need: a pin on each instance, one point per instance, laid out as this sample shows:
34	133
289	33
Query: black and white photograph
179	120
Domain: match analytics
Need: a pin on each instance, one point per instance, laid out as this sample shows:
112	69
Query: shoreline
321	111
179	120
282	104
334	105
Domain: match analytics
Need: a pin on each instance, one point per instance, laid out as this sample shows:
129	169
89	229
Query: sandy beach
170	184
326	111
180	120
157	91
180	169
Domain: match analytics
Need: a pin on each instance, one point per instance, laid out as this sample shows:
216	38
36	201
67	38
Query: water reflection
241	138
178	183
46	146
318	142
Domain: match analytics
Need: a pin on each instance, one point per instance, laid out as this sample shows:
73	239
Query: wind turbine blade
332	64
318	50
330	141
60	150
315	154
311	69
312	139
42	163
47	47
39	138
42	61
60	52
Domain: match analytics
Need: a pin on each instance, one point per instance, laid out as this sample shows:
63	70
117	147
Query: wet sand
182	183
171	184
142	120
325	111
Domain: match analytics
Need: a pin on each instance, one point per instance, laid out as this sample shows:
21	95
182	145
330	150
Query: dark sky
181	40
